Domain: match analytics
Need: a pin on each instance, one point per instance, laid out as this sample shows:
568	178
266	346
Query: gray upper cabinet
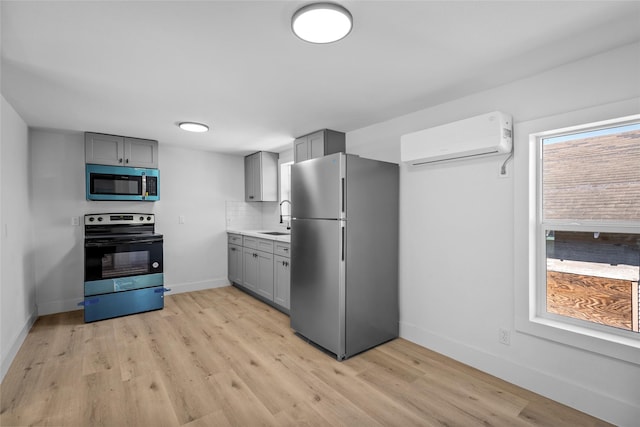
141	153
318	144
261	177
116	150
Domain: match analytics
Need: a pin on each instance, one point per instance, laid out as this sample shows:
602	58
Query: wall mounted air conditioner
477	136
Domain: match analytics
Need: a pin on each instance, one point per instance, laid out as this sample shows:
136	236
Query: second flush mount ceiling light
322	22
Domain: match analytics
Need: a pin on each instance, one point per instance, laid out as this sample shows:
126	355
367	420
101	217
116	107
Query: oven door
122	264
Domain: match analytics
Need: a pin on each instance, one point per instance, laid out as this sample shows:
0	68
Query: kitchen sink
274	233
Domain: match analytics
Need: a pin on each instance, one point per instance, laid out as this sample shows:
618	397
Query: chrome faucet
288	225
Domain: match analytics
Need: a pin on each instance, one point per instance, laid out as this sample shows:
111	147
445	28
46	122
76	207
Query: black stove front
123	265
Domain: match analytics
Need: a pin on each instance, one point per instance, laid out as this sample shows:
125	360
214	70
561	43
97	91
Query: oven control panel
120	218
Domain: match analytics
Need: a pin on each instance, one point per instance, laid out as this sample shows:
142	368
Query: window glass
285	188
591	226
593	175
594	277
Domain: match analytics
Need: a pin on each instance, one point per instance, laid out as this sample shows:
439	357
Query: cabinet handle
285	249
127	161
251	197
119	160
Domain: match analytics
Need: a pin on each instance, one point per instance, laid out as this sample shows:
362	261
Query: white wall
457	274
17	289
193	184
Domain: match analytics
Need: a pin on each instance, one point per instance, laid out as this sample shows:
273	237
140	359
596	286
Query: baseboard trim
61	306
586	400
176	288
7	359
179	288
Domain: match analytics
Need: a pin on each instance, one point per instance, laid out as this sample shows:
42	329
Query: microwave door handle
144	186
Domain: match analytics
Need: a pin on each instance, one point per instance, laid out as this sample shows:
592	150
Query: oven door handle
121	242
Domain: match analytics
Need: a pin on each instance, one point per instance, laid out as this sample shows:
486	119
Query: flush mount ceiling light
193	127
321	22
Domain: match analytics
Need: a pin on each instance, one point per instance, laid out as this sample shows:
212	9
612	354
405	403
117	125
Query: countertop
257	233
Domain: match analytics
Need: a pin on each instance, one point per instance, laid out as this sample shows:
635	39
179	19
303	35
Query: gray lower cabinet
258	272
282	281
264	286
249	269
260	266
235	263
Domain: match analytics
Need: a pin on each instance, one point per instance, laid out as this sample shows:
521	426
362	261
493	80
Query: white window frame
530	245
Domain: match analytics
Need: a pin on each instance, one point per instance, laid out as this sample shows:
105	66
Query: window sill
587	339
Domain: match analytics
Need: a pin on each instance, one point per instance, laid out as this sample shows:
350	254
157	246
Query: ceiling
137	68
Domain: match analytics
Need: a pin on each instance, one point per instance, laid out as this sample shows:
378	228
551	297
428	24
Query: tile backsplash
253	215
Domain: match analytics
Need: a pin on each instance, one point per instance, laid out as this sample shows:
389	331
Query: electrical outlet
504	336
75	220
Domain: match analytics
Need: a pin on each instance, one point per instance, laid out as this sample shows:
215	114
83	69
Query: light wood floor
219	357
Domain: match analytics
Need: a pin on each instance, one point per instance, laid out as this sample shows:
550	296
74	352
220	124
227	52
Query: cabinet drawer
235	239
264	245
282	249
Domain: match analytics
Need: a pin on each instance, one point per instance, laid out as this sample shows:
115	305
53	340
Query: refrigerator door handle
342	195
342	244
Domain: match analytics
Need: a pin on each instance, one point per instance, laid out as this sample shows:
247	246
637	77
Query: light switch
181	219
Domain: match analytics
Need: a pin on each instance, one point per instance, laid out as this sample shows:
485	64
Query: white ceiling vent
477	136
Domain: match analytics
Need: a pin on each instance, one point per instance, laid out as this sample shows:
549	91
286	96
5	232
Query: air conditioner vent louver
488	134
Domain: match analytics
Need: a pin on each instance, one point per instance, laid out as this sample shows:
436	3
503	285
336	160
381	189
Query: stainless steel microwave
122	183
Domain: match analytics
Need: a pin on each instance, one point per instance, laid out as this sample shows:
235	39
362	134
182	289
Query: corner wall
457	238
17	287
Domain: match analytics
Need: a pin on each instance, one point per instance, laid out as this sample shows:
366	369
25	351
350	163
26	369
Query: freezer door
317	282
317	187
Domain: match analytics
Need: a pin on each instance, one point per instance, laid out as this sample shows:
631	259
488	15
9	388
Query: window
588	227
285	189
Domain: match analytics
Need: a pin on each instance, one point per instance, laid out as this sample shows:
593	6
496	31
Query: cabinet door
300	149
268	181
104	149
251	176
141	153
235	264
250	269
265	275
316	144
282	281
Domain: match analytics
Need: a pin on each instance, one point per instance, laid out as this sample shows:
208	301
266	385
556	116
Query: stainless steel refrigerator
344	252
